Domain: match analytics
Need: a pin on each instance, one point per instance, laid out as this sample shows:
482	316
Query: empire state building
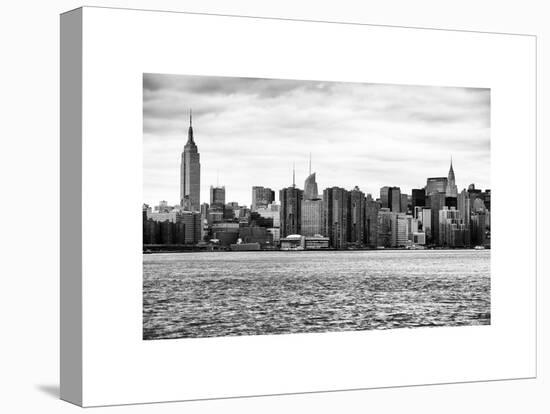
190	173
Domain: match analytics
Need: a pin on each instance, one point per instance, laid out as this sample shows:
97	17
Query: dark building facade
192	227
187	229
371	221
357	217
255	234
291	208
394	199
386	224
336	216
418	198
384	197
217	195
262	197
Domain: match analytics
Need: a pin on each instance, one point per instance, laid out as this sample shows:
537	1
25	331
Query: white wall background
29	129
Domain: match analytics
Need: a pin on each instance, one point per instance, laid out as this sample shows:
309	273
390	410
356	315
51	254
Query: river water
207	294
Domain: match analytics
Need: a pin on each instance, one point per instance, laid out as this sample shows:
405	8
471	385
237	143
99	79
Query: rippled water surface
257	293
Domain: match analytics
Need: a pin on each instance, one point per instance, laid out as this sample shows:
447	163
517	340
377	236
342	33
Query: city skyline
230	146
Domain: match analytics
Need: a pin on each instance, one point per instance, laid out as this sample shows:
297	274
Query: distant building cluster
435	216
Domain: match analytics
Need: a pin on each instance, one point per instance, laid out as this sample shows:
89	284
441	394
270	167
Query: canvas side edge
71	356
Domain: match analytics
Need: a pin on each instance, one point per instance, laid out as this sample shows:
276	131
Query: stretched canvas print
255	206
293	206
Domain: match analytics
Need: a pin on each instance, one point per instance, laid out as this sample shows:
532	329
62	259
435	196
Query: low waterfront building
293	242
255	234
226	238
299	242
316	242
245	247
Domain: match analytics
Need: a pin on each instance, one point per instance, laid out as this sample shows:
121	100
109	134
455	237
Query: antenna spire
190	117
293	175
310	163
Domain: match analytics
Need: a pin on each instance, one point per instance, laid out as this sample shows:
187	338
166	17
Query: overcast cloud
370	135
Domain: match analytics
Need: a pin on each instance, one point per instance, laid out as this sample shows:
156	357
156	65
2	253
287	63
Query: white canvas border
119	45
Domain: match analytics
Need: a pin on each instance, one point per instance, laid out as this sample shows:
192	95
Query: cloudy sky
251	131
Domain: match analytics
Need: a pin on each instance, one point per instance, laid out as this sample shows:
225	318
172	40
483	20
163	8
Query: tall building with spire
312	207
190	173
451	190
311	191
291	208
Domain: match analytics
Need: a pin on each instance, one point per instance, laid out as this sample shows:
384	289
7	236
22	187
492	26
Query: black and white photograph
276	206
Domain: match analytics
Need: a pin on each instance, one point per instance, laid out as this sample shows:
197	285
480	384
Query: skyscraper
217	195
452	230
464	206
312	207
394	199
404	203
400	230
291	209
190	173
384	197
357	216
451	190
386	223
437	202
336	216
262	197
418	199
310	185
371	221
436	185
